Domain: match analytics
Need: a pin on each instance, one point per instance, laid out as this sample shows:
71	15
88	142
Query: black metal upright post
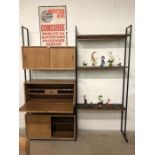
128	75
123	89
125	97
28	44
76	78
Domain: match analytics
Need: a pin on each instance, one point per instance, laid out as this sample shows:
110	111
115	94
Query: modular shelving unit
63	126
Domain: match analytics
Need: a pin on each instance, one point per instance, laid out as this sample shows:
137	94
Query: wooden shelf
103	36
49	106
47	81
53	69
63	134
100	68
116	107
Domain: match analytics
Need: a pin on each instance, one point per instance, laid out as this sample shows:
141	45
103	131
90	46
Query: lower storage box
48	126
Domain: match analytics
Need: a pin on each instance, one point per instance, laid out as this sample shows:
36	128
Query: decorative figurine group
111	60
100	103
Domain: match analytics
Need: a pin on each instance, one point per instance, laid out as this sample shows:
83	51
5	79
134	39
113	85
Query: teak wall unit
51	104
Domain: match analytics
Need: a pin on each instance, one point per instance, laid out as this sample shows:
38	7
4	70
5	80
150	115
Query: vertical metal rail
23	44
124	117
25	75
27	33
76	78
123	88
28	44
128	75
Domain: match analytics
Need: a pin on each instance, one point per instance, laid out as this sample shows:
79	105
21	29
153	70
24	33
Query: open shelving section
125	68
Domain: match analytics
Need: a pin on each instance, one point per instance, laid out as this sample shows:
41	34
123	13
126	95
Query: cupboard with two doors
48	58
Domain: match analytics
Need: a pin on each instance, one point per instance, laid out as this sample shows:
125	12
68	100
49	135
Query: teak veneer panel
35	57
62	58
38	126
46	106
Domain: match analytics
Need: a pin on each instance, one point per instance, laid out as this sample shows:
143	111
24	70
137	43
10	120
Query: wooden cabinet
35	57
62	58
58	58
50	104
51	126
38	126
50	109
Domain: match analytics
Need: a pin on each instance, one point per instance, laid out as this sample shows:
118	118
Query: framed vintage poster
53	25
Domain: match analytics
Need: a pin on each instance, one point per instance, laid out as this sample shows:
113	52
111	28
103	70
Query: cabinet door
62	58
35	57
38	126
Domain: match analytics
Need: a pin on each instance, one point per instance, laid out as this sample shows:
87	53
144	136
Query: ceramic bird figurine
93	58
84	63
85	99
119	62
111	59
102	61
108	102
100	98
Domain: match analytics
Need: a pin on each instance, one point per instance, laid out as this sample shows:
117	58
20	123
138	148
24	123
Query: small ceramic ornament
119	62
100	103
91	103
93	58
102	61
85	99
108	102
111	59
84	63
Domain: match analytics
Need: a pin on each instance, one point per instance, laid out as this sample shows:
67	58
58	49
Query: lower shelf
63	134
118	107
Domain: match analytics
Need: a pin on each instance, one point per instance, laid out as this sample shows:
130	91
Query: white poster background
52	22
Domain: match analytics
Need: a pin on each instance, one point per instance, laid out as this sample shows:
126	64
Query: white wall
94	17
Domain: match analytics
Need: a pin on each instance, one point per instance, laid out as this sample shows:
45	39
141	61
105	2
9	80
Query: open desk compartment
51	96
